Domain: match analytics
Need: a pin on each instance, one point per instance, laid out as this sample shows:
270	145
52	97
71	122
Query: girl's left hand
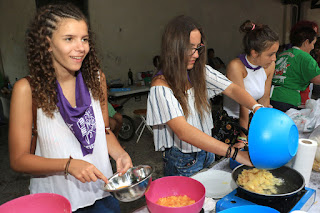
123	163
239	145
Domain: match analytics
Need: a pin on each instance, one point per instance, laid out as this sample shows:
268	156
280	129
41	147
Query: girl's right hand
85	172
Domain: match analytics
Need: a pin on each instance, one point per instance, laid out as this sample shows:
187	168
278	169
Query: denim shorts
177	163
105	205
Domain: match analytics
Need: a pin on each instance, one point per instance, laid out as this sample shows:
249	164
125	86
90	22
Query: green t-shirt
111	110
294	70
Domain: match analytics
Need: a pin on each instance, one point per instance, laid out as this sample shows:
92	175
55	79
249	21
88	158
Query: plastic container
174	186
37	203
273	139
119	89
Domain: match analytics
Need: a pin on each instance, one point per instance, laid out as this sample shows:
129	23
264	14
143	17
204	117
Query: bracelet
255	106
106	130
235	153
67	167
242	139
229	151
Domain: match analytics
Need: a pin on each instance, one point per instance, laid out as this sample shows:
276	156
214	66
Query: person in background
295	69
178	103
307	93
215	62
305	23
115	120
73	138
156	64
317	51
253	70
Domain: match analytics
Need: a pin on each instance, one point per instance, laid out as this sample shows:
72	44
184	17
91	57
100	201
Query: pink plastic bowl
174	186
37	203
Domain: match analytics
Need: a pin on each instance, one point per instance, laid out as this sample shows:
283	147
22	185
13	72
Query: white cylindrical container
304	158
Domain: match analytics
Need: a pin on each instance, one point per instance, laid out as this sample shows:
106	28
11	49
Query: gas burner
301	200
282	204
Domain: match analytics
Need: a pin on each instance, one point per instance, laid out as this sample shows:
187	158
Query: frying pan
293	181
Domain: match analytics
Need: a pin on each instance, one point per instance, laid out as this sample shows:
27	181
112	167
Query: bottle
9	86
130	77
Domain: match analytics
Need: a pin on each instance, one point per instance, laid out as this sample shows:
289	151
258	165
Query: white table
133	91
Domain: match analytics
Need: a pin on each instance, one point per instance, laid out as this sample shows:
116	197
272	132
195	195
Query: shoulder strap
34	121
104	104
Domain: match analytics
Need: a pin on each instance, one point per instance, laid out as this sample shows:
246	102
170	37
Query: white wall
15	16
141	23
310	14
129	32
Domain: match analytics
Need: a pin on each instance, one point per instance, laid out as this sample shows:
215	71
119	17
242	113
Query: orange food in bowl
175	201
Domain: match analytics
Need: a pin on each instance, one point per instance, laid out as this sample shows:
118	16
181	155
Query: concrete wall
15	16
129	32
310	14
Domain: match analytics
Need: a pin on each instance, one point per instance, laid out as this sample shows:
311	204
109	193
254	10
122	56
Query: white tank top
55	140
254	84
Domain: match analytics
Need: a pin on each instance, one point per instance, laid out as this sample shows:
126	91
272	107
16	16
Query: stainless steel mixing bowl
132	185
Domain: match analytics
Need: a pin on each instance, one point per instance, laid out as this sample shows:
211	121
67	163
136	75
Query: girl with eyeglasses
252	71
178	103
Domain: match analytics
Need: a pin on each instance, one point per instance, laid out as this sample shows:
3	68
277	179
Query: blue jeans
177	163
105	205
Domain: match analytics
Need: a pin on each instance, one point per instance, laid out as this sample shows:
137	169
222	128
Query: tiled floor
13	185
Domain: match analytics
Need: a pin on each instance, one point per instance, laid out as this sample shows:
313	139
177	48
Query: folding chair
142	113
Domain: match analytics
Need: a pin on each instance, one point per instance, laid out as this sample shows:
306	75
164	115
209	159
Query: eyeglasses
200	50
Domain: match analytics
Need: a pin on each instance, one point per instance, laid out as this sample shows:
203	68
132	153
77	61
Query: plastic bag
306	119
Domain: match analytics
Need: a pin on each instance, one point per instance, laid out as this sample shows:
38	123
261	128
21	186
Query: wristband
229	151
67	167
235	153
242	139
255	106
106	130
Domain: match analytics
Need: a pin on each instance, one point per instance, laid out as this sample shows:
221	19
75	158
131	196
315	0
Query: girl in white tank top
66	87
253	70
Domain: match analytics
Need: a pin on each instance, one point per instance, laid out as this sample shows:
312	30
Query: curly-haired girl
65	86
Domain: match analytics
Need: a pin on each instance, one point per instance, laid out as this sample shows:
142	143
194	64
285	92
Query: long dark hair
174	58
43	79
257	37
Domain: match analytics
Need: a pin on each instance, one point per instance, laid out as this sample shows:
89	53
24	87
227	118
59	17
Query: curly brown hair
175	49
42	72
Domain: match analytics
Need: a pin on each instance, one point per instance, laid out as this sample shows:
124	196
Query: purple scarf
80	120
242	57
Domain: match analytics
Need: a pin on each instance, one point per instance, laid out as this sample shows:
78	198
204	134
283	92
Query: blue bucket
273	139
